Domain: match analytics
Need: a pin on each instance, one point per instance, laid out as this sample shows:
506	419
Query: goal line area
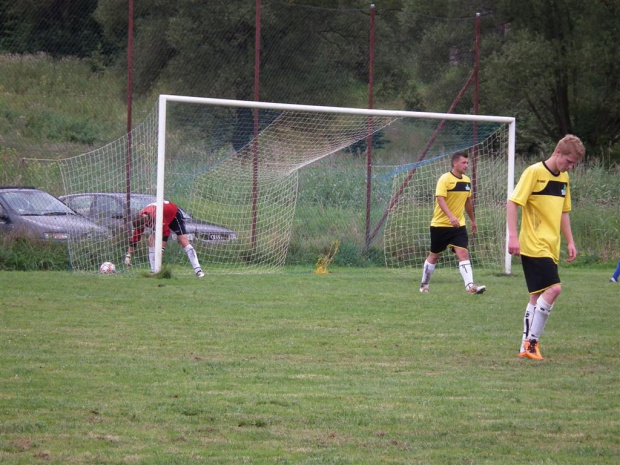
270	184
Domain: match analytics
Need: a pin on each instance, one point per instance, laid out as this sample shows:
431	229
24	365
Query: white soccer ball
107	268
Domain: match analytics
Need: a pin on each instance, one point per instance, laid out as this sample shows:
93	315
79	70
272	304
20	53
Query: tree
58	27
557	68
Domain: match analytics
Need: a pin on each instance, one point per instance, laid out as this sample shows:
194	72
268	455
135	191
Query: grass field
354	367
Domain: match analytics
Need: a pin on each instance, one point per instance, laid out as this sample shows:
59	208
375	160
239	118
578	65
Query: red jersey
170	211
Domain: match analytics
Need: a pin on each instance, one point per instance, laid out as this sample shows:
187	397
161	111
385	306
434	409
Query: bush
28	255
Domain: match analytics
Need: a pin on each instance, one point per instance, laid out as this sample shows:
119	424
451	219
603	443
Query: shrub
27	255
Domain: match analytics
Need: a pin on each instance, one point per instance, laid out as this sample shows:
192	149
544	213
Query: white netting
287	195
407	234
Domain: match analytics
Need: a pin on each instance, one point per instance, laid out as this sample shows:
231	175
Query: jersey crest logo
564	190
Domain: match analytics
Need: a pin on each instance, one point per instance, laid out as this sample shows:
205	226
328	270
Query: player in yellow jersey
452	199
543	193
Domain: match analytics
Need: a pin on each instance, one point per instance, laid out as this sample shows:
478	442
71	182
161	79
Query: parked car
36	214
109	210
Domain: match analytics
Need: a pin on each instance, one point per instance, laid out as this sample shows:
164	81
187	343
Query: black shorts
540	273
177	225
442	238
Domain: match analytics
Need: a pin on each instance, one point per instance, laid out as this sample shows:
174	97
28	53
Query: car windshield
35	203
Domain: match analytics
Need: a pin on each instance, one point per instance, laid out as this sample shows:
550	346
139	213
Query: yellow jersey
456	191
543	197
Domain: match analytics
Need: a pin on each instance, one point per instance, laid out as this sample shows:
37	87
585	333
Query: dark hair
139	221
458	155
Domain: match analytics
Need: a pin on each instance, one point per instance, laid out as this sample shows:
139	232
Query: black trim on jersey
554	189
461	186
554	174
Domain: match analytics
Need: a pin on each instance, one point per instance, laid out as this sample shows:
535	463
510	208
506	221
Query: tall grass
51	108
595	217
21	254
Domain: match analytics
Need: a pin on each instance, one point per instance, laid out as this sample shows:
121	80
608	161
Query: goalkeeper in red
448	230
543	193
173	221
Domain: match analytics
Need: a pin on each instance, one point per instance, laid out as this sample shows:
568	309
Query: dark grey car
108	209
36	214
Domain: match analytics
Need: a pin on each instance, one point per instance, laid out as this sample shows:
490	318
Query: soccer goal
281	180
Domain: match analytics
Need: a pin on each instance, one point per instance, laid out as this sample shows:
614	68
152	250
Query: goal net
270	184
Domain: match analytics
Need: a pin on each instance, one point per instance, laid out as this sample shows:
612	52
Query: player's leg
543	283
428	270
543	307
152	250
191	254
438	245
178	226
465	268
614	278
459	245
527	324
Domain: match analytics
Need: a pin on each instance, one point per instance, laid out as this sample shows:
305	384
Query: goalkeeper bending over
173	220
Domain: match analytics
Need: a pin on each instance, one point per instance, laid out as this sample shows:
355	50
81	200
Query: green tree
557	68
58	27
311	51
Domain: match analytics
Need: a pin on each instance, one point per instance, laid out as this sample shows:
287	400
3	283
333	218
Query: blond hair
570	144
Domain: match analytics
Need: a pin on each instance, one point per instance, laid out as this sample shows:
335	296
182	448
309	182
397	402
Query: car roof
111	194
13	188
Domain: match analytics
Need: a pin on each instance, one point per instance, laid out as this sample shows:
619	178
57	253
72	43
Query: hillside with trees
553	65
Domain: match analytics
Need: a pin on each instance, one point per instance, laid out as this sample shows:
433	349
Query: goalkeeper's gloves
128	259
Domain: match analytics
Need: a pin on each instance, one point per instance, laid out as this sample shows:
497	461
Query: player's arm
568	235
469	209
512	214
441	201
135	238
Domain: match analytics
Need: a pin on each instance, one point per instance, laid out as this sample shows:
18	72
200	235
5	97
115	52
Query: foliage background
553	65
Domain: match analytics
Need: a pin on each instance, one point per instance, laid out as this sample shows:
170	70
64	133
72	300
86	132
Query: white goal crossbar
161	149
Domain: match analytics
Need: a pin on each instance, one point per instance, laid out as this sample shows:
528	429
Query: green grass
52	108
355	367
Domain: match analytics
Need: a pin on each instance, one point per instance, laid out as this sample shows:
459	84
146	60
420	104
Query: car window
26	202
81	204
108	207
2	213
139	202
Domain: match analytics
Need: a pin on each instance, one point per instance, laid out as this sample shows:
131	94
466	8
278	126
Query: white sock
193	258
527	324
539	318
467	273
427	273
152	258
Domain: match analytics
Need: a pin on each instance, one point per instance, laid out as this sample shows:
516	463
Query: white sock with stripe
527	323
427	273
539	318
152	258
467	273
191	255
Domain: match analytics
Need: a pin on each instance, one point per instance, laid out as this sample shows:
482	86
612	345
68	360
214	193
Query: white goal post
263	185
378	119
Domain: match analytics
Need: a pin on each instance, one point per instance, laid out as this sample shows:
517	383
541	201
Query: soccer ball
107	268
